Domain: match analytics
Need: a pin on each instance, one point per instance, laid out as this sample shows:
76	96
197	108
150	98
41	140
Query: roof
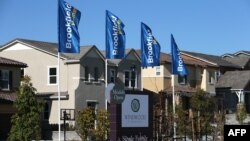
213	59
234	80
115	62
243	51
10	62
52	48
240	61
9	96
166	58
184	90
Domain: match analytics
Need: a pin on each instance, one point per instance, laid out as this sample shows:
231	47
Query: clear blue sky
205	26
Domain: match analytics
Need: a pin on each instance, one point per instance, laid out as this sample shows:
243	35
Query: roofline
18	41
229	55
200	59
243	52
71	61
97	51
136	55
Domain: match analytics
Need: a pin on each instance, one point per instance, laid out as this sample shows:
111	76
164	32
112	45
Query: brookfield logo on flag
68	21
115	37
150	48
178	66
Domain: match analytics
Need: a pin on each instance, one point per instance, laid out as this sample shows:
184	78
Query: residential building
82	76
10	77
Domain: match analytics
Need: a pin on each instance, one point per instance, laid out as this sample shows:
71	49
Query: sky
206	26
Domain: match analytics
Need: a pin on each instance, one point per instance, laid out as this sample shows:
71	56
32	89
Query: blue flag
150	48
178	65
115	37
68	21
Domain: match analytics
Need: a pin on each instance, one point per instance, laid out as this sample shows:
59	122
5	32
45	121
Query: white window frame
157	70
8	81
89	79
211	77
49	67
130	75
110	75
217	75
184	82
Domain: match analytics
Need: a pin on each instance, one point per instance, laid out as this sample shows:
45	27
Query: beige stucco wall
38	63
73	71
154	82
205	85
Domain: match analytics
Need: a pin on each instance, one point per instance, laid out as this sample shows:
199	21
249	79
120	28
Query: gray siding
90	90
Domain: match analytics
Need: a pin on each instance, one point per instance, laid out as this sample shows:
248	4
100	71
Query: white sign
135	111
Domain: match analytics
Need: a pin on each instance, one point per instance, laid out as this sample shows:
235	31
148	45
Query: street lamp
132	68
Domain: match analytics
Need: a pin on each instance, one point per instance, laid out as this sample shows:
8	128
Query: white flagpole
59	97
141	79
173	92
106	81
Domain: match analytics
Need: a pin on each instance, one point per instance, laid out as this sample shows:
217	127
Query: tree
85	122
102	128
26	122
202	106
241	113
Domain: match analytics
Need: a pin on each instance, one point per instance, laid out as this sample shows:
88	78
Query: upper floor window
112	76
157	70
182	79
211	77
217	75
52	75
96	74
86	73
5	78
130	79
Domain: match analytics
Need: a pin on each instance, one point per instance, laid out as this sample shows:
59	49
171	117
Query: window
46	112
86	75
112	76
217	75
182	79
52	75
130	79
22	72
93	105
211	77
157	71
6	77
96	74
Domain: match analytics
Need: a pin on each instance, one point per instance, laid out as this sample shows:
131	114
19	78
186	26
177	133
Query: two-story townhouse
233	87
82	76
10	77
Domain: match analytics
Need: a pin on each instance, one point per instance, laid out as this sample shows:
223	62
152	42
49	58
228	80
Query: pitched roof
115	62
240	61
52	48
243	51
166	58
213	59
184	90
9	96
10	62
234	80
